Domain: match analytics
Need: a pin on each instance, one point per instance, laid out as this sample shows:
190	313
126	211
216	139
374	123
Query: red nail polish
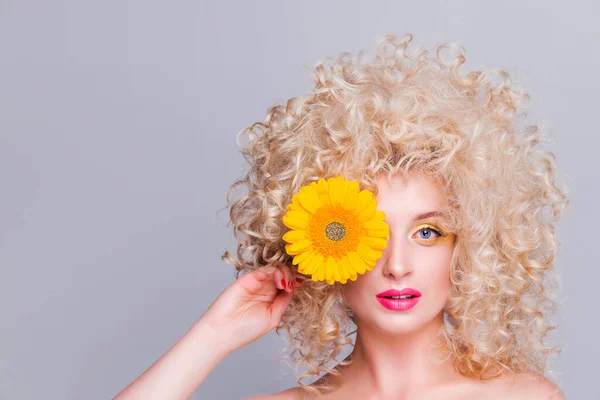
298	280
283	283
290	284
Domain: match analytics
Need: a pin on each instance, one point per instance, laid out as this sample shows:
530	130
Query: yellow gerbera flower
336	232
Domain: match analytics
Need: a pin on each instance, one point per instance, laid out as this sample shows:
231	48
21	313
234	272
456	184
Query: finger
288	276
294	279
298	280
266	271
279	279
280	305
255	279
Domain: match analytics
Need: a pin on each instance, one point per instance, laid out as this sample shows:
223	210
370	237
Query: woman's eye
428	233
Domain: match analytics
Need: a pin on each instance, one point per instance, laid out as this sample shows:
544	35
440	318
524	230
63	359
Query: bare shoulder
532	386
294	393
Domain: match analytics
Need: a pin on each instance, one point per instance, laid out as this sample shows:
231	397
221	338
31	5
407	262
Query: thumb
280	305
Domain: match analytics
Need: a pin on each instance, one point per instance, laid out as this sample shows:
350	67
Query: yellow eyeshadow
429	226
443	236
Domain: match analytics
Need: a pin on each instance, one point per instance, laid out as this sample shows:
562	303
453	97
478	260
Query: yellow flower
336	232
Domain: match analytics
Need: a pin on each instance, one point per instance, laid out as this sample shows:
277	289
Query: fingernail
290	284
283	284
298	280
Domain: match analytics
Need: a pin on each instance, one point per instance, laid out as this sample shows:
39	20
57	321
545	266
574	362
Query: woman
469	206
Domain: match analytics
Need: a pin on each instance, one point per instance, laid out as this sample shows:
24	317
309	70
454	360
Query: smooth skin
245	311
253	305
390	352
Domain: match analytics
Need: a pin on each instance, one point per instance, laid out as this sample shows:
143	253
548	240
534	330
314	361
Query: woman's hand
252	305
248	309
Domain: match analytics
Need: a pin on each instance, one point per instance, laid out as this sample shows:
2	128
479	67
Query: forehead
415	194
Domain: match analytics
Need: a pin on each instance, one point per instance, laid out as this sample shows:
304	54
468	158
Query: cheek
350	291
436	267
353	292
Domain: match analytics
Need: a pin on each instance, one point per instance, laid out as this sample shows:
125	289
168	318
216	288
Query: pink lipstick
408	299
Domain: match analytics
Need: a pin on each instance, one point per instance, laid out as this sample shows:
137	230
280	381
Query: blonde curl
401	112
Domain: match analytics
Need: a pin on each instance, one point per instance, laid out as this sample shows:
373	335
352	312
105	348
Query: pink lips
399	304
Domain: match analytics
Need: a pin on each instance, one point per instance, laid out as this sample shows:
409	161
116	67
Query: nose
396	258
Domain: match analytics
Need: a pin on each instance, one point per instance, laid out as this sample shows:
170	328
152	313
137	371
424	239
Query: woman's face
416	257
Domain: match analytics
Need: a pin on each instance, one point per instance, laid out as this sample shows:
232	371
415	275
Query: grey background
117	144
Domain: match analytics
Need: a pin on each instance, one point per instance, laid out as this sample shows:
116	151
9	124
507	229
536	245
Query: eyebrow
429	214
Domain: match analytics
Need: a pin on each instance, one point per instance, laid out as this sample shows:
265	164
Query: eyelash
439	233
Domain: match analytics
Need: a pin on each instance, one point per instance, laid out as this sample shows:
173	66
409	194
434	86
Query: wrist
213	336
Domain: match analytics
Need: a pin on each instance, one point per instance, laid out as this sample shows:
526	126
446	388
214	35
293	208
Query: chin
403	327
403	322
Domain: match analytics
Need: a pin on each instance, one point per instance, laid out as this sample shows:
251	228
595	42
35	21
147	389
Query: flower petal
294	235
352	196
330	269
299	246
352	274
302	257
296	207
379	216
337	191
370	232
368	212
318	267
343	269
369	263
356	262
376	243
309	198
307	265
323	190
322	271
295	220
376	225
336	273
368	253
377	228
365	197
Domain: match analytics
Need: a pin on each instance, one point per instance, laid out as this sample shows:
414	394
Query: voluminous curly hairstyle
398	113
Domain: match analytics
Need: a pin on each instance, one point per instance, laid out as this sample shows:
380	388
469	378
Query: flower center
335	231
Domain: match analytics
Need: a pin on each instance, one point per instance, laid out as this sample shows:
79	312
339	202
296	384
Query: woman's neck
389	363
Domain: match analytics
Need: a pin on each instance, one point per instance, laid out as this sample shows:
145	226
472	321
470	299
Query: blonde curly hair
404	112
